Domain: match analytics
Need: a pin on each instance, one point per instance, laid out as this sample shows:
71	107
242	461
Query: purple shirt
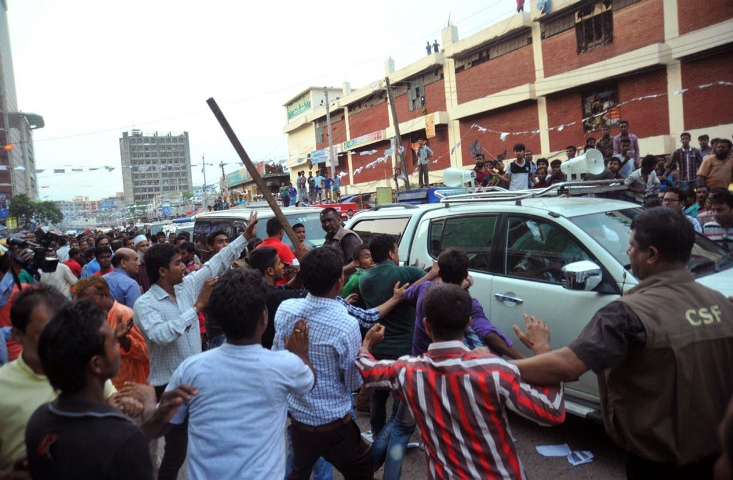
420	340
634	146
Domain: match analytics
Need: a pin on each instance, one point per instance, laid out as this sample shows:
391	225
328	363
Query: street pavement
579	434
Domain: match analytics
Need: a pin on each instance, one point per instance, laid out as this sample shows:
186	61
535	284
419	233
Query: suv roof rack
498	194
393	205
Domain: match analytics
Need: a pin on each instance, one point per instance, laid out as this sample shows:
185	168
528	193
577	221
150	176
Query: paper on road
553	450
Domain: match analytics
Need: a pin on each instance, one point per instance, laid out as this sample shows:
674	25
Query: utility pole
203	169
330	135
223	180
398	139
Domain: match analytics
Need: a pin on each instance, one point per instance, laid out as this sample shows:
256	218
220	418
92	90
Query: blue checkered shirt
333	344
423	154
171	329
366	318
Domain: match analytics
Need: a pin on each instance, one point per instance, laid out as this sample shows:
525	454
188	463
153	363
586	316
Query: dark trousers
342	446
176	446
638	468
378	410
423	175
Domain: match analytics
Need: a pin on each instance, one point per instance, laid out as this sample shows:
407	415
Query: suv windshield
611	230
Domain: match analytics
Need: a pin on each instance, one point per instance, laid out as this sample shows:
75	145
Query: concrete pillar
450	35
671	20
675	101
539	67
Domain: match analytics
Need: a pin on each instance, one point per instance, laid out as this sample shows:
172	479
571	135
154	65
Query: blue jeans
390	445
688	185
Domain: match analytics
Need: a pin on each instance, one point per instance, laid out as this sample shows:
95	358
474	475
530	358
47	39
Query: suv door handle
504	298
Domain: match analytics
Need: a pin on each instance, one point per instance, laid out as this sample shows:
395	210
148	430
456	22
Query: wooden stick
253	171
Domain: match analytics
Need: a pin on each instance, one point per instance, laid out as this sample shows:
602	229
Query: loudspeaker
457	177
590	162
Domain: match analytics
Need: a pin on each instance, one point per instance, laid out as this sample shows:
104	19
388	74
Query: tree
48	212
21	207
186	195
27	210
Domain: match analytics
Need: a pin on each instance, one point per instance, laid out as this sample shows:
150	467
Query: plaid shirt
333	343
171	328
687	162
458	399
366	318
423	154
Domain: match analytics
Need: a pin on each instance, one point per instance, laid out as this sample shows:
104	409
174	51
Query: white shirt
236	421
635	180
171	329
63	253
62	279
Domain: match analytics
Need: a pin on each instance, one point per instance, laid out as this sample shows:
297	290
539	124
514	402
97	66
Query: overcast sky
94	69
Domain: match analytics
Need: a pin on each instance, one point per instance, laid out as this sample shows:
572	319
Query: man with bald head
122	284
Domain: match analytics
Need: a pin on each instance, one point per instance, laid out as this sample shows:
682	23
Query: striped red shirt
459	399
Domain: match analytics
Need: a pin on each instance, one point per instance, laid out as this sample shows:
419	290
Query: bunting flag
59	170
475	148
612	113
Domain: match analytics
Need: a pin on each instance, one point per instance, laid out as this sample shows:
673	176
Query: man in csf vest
663	353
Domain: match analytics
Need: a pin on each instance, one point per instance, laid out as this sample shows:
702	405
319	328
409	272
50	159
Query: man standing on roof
424	153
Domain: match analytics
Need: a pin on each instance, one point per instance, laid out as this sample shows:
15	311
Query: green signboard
299	105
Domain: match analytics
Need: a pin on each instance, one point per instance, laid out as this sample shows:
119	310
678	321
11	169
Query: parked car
517	250
234	222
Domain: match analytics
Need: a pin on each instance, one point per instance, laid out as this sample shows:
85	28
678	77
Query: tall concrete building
17	161
155	167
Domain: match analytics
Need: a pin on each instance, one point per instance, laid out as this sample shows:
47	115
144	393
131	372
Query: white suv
517	250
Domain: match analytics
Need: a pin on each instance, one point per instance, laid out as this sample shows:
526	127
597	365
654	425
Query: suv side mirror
583	275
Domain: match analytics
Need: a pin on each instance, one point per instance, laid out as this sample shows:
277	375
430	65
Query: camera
32	256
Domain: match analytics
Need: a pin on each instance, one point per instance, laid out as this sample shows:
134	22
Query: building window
594	26
320	137
511	44
619	4
416	94
558	25
600	107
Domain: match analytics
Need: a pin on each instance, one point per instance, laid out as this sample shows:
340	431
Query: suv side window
371	226
538	250
200	230
474	234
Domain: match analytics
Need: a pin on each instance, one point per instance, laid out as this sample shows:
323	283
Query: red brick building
547	80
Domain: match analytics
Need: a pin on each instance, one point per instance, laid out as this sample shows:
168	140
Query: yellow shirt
23	391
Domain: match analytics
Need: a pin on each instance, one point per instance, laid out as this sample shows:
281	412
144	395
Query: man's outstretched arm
547	366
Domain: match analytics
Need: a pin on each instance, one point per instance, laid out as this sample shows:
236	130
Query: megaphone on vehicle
457	177
590	162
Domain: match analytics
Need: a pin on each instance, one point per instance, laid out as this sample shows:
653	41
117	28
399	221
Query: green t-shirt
26	277
376	286
352	286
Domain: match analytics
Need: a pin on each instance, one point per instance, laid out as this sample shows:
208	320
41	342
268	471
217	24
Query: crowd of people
696	180
255	362
687	168
321	188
